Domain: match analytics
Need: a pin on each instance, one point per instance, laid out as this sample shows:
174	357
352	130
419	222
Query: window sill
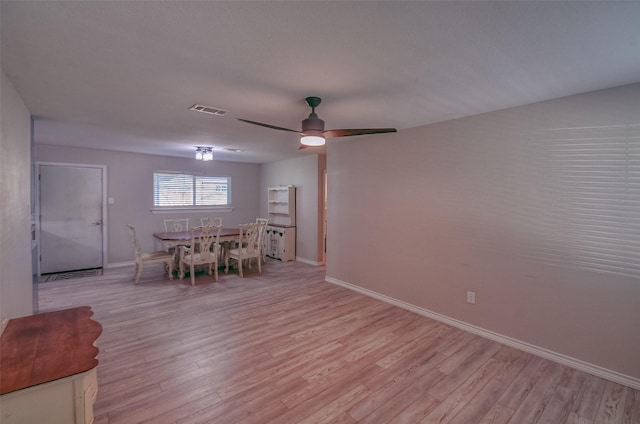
198	209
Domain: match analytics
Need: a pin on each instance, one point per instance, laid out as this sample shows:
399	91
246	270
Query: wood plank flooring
287	347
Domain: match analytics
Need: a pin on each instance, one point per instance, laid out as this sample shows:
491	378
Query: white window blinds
185	190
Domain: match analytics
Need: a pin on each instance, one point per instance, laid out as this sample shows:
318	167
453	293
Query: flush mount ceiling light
204	153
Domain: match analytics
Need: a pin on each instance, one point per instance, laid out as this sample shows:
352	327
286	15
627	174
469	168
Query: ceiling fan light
199	154
207	155
312	140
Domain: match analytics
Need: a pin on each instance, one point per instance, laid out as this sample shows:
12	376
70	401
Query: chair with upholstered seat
203	250
177	224
246	248
211	221
145	258
172	226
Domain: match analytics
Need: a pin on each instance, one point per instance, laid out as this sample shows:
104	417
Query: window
175	190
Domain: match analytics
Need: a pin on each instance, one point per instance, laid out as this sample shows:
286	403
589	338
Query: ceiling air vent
208	109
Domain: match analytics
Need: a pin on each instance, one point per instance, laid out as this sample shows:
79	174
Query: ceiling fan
313	132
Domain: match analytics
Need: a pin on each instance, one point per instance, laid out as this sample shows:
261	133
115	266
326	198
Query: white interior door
71	205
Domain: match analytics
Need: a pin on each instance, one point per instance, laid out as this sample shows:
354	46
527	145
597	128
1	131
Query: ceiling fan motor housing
313	125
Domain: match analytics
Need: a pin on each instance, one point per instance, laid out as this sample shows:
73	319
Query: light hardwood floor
287	347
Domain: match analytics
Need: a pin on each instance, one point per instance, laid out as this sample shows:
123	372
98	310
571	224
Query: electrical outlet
471	297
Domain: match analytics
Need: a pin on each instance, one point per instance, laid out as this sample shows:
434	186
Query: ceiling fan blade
267	125
357	131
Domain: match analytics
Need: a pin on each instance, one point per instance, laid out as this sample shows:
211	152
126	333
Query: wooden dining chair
144	258
174	225
211	221
262	232
247	248
177	224
204	250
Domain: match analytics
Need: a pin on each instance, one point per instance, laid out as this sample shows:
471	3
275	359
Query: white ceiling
121	75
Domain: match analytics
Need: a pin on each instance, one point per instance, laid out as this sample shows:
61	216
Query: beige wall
130	184
16	287
304	173
485	204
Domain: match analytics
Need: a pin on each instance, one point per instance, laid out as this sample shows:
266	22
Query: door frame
104	204
325	191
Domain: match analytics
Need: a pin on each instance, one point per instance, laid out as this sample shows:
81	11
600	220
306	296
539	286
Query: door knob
98	222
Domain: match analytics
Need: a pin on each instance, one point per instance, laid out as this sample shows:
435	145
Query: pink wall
15	211
486	204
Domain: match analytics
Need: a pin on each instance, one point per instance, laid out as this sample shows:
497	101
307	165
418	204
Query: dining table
175	239
183	238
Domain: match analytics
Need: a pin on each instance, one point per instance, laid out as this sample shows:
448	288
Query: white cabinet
49	368
67	400
280	239
280	242
282	205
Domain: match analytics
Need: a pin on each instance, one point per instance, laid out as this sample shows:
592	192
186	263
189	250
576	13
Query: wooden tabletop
46	347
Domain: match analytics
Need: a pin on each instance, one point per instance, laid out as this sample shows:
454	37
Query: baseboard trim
307	261
120	264
578	364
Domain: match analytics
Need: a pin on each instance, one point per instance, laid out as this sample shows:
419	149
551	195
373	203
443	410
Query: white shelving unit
282	205
280	240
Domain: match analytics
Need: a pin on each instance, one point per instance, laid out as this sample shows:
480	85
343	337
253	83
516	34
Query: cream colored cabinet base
280	243
67	400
